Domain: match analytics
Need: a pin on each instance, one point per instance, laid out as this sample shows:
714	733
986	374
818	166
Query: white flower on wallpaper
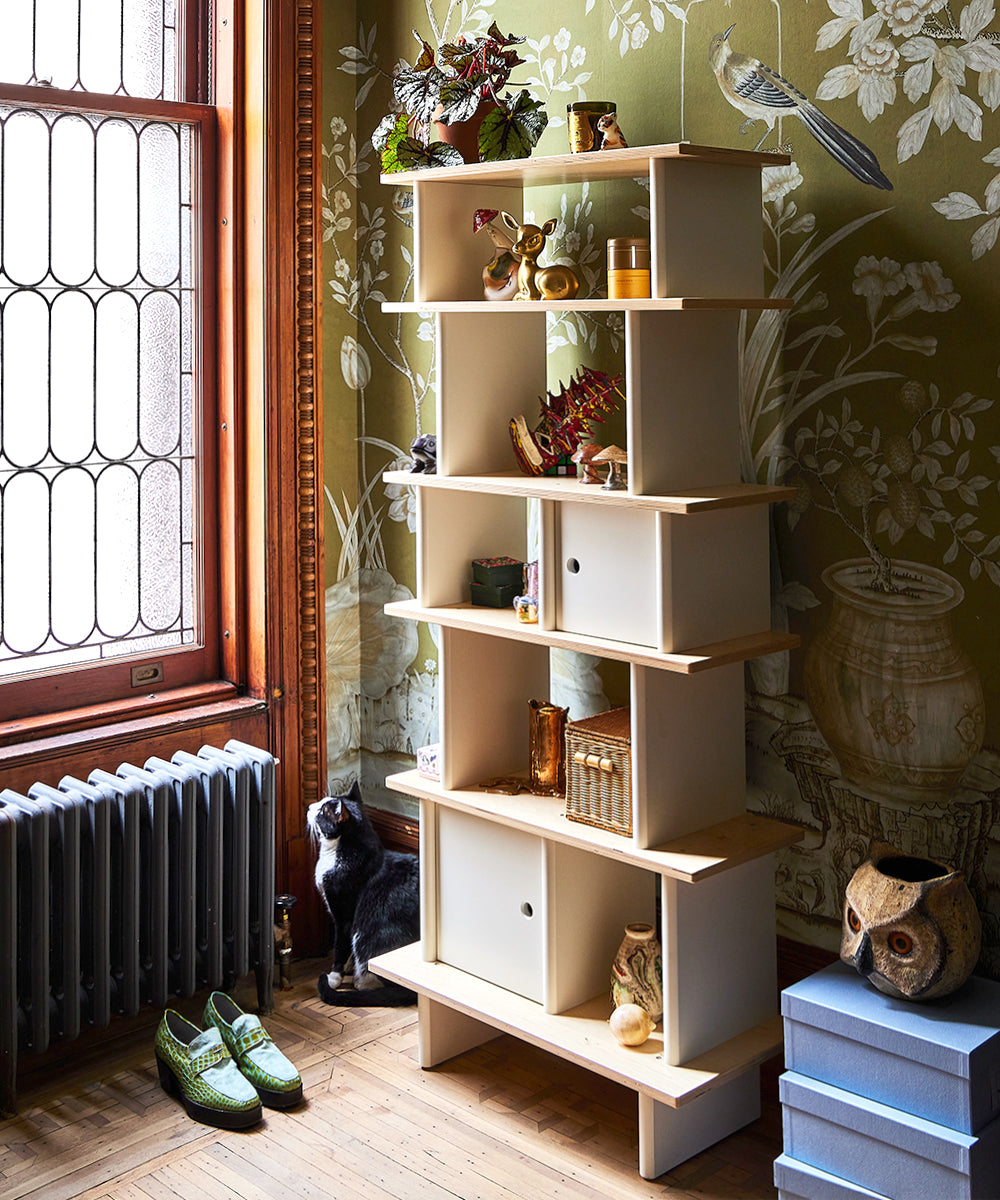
960	206
628	26
355	365
941	57
552	77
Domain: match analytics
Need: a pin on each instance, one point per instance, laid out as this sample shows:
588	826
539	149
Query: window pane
98	412
117	47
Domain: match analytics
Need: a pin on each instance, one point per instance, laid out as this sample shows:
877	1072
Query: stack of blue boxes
889	1099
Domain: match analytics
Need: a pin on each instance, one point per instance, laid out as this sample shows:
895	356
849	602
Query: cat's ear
355	793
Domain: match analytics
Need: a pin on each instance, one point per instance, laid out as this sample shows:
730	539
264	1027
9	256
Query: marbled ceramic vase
637	970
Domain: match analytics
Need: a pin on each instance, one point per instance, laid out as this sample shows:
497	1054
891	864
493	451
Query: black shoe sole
280	1099
220	1118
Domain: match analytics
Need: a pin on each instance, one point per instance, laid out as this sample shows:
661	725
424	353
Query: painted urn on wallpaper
898	700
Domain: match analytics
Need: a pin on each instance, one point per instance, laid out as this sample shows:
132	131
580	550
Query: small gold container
628	268
581	119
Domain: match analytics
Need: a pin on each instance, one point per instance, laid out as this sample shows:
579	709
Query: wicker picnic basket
599	771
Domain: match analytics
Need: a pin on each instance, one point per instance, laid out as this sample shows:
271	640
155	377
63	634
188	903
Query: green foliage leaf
417	90
511	130
459	100
393	124
410	154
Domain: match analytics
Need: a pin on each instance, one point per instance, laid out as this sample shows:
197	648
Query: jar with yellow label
581	119
628	268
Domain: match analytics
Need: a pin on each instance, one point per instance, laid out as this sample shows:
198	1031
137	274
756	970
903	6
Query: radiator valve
283	905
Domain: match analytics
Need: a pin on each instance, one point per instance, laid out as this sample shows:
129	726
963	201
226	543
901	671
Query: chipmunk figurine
533	282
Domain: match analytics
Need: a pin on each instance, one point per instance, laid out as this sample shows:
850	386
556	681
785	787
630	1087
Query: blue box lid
879	1123
946	1034
800	1179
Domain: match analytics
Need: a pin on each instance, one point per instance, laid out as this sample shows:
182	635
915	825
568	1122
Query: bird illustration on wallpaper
761	94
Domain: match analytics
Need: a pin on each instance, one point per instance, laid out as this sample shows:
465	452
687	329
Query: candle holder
546	741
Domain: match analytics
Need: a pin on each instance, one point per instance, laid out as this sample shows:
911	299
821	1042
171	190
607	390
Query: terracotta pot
898	700
464	135
911	926
637	971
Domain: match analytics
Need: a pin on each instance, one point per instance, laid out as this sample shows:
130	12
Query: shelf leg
668	1136
444	1032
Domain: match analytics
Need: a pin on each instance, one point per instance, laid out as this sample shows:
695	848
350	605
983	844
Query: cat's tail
390	995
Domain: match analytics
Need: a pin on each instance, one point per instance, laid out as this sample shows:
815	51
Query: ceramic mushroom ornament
615	457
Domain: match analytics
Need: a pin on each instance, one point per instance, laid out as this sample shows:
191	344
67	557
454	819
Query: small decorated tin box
498	572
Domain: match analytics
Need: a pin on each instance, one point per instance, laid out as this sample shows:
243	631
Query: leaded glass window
103	389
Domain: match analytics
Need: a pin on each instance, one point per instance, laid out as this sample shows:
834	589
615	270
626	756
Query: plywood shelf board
504	623
579	168
551	487
691	858
593	304
581	1035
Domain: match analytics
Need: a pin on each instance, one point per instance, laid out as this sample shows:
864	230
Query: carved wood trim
294	602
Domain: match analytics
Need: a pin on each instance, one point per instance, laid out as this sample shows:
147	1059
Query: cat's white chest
325	861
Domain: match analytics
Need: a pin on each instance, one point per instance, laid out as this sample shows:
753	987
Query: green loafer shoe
278	1083
196	1066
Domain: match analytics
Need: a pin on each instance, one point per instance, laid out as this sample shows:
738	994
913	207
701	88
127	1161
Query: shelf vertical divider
688	752
719	958
668	1135
682	382
706	229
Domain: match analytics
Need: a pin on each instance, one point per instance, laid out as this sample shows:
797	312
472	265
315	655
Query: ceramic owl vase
910	926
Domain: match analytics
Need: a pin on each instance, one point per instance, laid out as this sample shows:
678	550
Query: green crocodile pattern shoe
278	1083
195	1065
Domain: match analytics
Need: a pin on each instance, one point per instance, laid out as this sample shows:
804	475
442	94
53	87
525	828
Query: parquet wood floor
502	1122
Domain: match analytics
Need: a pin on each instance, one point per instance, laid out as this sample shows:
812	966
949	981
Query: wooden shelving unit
523	909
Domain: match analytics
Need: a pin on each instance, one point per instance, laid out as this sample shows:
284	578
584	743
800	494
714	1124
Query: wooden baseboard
396	831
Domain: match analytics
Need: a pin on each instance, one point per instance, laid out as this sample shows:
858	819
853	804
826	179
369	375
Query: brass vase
547	747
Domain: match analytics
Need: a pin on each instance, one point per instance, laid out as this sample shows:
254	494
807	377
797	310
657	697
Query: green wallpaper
875	398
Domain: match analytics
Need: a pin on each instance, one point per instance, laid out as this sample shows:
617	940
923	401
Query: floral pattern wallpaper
874	397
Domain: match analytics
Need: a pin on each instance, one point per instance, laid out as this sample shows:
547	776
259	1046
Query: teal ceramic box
887	1151
938	1060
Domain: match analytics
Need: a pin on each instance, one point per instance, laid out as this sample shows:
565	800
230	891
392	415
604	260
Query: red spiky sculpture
565	420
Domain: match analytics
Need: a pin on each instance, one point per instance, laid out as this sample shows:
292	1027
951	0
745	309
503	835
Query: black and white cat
371	894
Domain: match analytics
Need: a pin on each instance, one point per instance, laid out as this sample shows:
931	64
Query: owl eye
853	920
900	943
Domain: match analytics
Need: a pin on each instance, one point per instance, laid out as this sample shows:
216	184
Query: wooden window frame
270	684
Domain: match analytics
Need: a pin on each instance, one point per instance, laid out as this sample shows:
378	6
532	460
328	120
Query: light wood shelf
689	859
593	304
522	907
504	623
581	1034
554	169
551	487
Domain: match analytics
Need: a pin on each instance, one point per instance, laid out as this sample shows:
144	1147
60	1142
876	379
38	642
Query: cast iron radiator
126	889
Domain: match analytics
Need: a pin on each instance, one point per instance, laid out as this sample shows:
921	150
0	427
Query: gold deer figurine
534	282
